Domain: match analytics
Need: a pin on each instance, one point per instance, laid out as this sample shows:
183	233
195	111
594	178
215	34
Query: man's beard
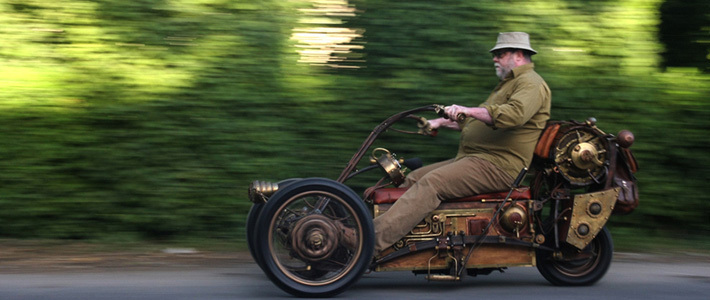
500	71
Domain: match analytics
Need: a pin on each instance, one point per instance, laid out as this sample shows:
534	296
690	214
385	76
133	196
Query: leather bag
623	176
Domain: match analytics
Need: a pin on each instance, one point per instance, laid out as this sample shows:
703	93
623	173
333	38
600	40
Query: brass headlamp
389	164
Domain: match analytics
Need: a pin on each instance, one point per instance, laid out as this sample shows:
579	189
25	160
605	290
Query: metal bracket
590	213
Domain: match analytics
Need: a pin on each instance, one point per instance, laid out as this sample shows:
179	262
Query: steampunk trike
553	220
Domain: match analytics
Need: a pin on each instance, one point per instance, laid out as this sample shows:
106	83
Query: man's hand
458	113
446	123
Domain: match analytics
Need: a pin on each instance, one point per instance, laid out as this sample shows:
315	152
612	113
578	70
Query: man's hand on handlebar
457	113
445	123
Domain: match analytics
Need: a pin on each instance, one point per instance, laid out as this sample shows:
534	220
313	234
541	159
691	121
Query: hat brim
513	46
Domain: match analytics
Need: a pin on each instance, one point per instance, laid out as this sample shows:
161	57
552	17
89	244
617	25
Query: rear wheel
300	235
250	226
572	267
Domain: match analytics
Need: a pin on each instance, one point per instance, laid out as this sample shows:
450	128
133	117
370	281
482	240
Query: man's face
504	62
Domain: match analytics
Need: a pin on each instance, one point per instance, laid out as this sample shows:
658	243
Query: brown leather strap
631	160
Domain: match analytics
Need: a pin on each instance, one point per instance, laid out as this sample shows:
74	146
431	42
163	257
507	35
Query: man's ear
519	57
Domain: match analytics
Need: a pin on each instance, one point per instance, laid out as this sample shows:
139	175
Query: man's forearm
481	114
478	113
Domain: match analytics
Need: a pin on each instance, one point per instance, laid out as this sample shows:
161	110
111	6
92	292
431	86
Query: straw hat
515	40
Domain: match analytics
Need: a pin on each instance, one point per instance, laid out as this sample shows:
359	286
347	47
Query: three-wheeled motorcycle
553	219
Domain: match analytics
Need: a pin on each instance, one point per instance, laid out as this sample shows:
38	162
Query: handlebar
379	129
441	111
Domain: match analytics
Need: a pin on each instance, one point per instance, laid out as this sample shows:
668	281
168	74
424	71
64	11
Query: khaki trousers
430	185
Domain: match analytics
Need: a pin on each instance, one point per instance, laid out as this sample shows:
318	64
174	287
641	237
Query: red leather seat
390	195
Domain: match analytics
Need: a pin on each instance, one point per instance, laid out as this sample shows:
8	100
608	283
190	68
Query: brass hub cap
314	238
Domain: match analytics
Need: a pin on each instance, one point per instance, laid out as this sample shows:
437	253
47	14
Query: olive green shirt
520	108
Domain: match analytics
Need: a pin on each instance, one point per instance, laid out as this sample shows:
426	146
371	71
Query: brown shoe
348	236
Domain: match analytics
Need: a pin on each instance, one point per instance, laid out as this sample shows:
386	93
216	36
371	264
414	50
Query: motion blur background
146	120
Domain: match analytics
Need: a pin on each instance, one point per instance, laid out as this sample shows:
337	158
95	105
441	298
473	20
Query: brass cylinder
259	191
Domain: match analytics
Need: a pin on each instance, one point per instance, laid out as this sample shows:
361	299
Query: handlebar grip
439	109
461	117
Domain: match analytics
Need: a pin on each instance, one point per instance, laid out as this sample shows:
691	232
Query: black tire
250	226
297	265
578	268
252	217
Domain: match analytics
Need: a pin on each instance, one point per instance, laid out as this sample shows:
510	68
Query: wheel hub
314	238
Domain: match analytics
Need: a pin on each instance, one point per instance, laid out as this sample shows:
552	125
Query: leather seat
390	195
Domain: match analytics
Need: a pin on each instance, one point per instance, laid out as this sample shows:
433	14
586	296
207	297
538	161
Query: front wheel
252	217
301	235
572	267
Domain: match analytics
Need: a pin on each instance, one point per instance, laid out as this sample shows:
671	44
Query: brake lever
422	124
424	127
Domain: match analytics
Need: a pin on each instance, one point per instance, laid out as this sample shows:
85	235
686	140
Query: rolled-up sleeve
522	104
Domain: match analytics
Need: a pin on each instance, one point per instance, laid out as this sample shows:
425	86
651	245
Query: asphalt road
630	277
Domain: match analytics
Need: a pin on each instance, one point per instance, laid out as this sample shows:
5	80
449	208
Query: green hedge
148	119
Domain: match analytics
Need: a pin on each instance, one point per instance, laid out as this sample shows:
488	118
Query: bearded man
498	138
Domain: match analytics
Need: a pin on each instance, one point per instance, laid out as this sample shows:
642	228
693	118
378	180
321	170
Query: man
497	140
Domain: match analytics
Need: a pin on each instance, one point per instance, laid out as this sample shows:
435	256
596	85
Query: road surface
631	276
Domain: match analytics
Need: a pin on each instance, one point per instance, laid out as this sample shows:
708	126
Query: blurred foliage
147	119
